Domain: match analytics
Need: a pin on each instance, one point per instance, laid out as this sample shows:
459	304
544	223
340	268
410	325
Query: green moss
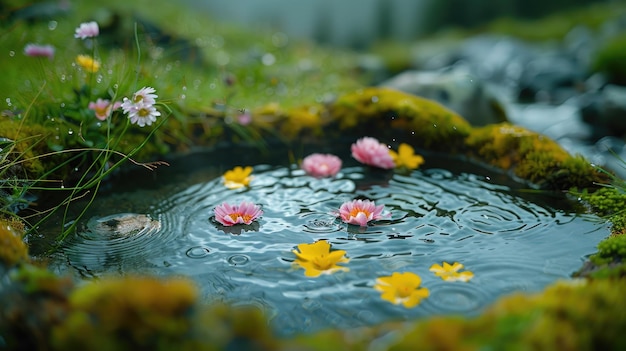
605	201
532	156
611	59
579	315
408	118
612	249
128	314
13	249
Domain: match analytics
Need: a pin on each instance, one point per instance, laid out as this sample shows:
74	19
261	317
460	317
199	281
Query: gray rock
457	89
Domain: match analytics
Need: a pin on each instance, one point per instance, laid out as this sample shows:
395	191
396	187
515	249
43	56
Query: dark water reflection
510	240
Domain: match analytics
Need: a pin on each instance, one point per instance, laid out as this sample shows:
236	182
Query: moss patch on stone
13	249
533	157
421	122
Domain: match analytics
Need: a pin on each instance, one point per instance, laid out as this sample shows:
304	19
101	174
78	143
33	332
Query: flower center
404	291
356	211
101	110
322	262
143	112
137	98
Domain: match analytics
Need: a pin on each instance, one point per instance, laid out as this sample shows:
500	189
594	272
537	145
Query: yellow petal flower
88	63
450	272
317	258
406	157
237	177
402	288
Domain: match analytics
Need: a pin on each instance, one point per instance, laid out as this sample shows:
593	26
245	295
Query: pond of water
510	237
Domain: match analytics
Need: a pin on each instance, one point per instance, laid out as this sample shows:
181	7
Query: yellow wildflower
450	272
237	177
317	259
406	157
88	63
402	288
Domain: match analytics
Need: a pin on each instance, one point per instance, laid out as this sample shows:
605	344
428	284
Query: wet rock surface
550	87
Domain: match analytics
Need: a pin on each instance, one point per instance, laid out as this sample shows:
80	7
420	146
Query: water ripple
509	242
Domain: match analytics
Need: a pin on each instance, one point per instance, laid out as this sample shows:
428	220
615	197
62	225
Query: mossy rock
576	315
13	249
533	157
387	113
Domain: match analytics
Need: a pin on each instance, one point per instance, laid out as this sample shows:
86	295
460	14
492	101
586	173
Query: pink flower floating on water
87	30
360	212
103	108
35	50
321	165
370	151
244	213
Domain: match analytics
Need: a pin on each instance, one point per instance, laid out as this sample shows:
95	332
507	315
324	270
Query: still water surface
511	239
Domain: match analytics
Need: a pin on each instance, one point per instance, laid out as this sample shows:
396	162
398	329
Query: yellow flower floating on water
402	288
237	177
88	63
450	272
406	157
317	258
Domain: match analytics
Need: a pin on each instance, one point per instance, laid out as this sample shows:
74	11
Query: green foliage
612	249
611	59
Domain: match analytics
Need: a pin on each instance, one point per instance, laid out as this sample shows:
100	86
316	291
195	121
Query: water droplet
268	59
11	53
70	132
184	88
280	39
183	96
8	100
197	252
374	99
238	260
52	25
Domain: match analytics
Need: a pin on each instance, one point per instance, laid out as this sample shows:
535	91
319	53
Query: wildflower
140	108
360	212
244	213
88	63
402	288
103	108
317	259
371	152
406	157
321	165
145	95
237	177
450	272
35	50
87	30
143	114
244	118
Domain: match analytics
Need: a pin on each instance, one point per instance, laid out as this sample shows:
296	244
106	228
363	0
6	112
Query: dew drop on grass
52	25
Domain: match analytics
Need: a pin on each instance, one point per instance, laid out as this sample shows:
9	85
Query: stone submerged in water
122	224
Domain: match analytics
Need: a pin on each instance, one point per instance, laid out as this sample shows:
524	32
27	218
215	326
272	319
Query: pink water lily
244	213
370	151
321	165
360	212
